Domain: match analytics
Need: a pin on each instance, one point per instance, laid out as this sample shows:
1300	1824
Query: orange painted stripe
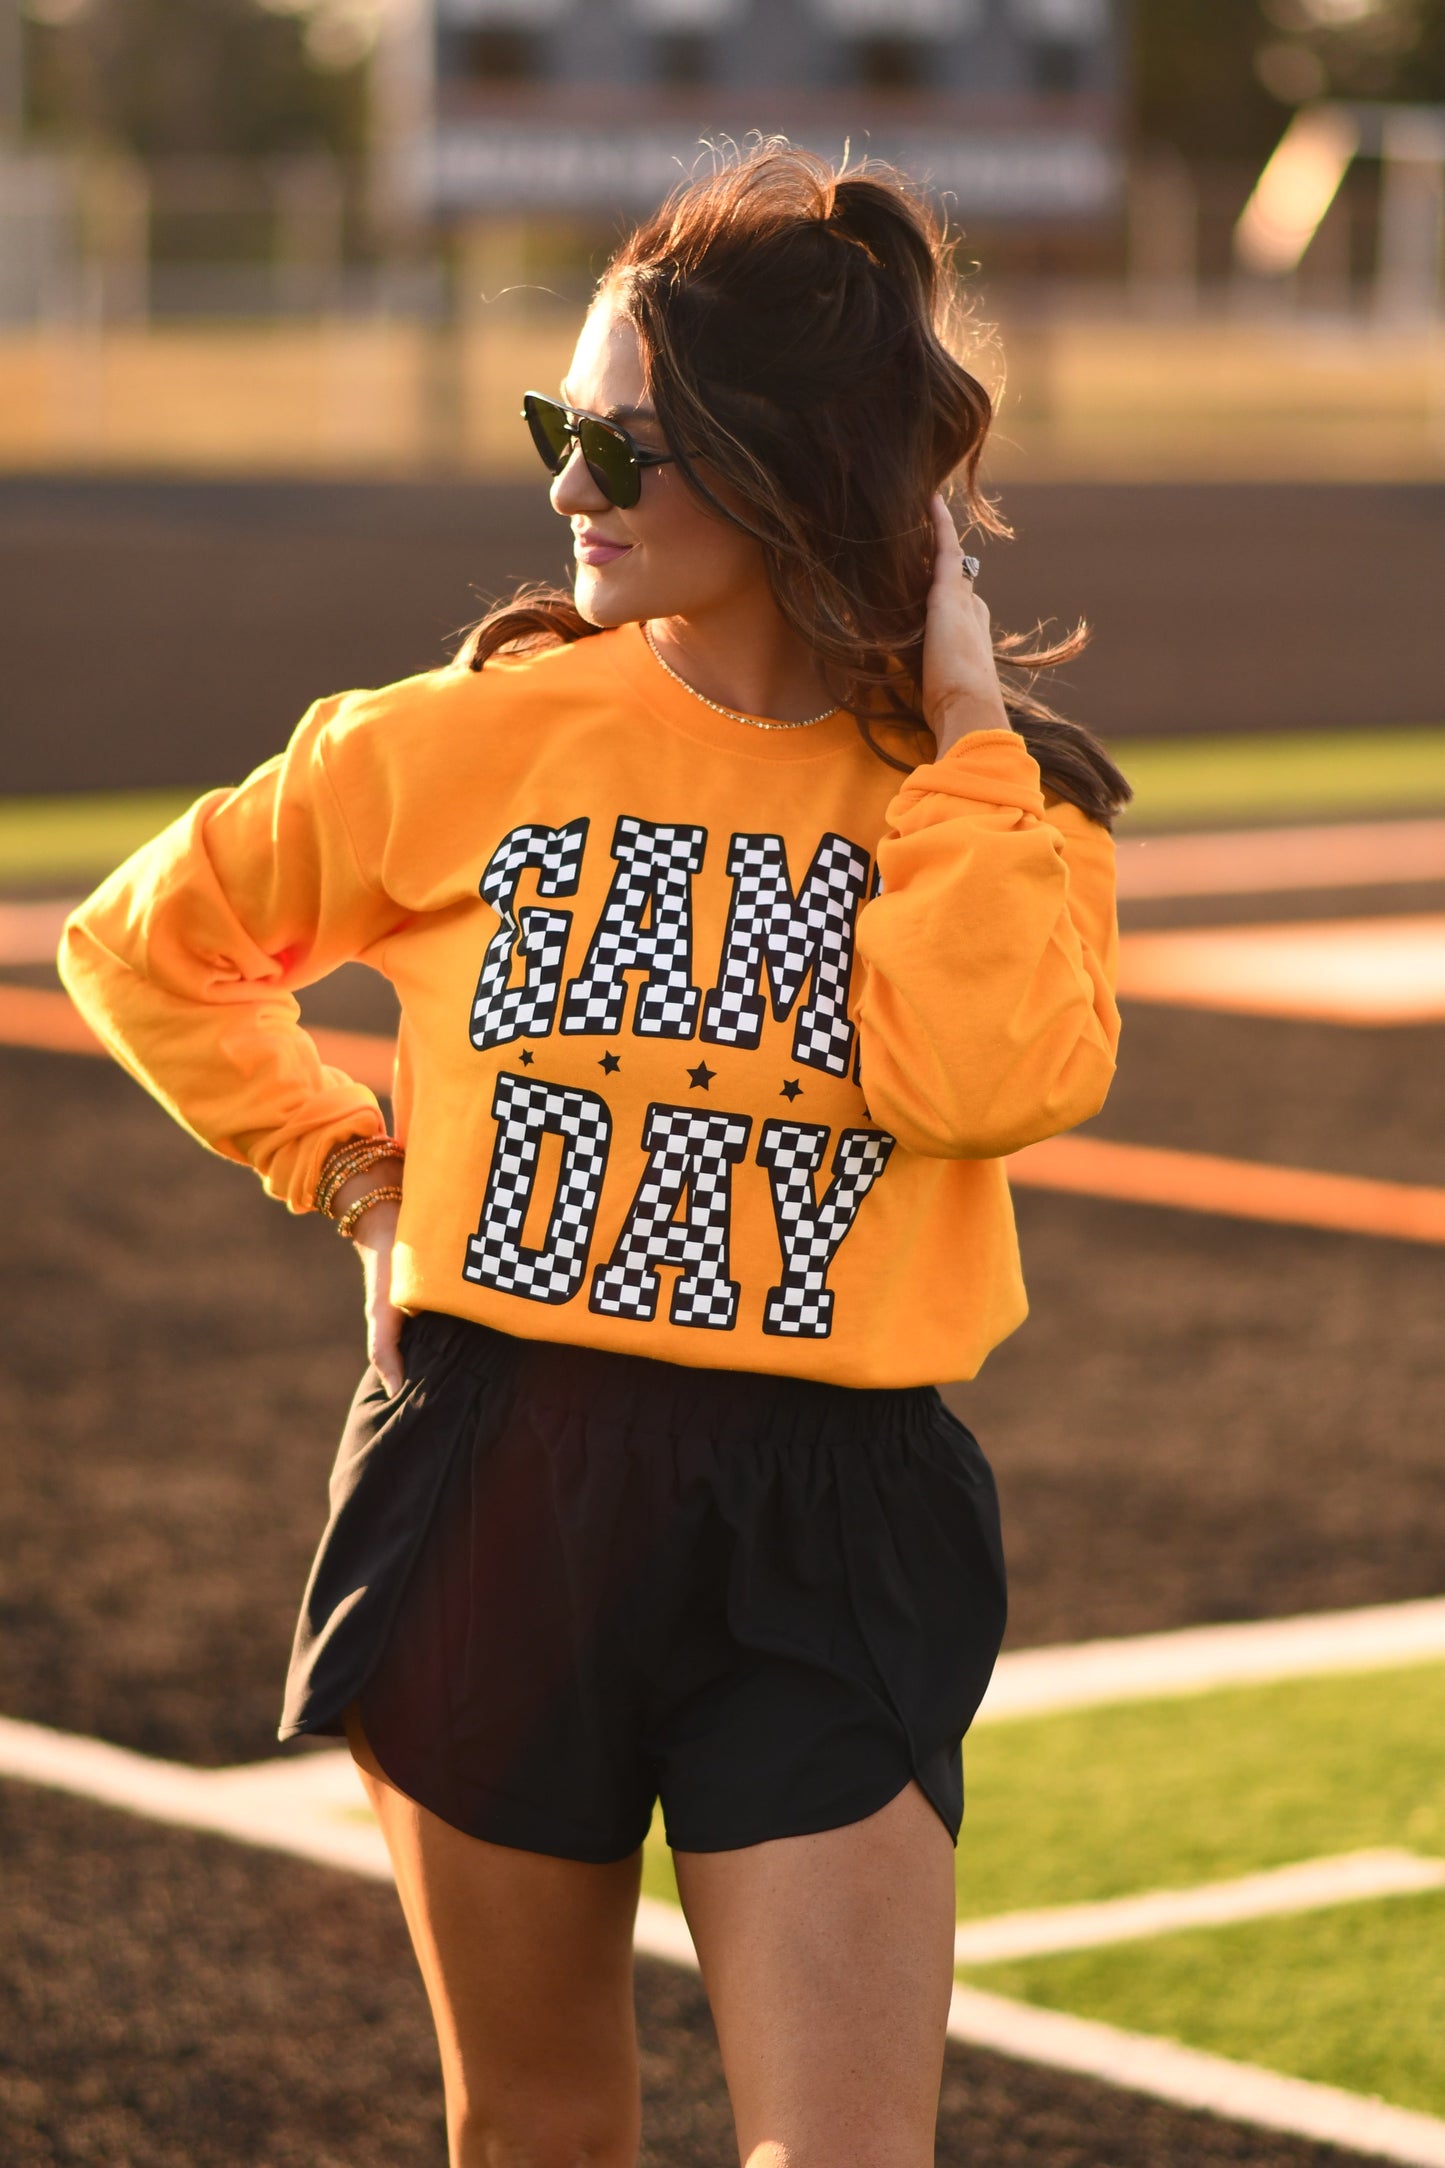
30	1016
33	1016
1085	1166
1237	1188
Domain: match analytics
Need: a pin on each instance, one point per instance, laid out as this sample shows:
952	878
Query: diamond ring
970	566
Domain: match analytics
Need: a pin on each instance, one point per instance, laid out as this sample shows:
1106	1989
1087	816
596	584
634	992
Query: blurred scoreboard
1009	109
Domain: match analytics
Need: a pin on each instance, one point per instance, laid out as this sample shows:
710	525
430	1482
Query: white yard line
1189	2078
1309	1886
309	1804
30	932
1148	1667
1254	861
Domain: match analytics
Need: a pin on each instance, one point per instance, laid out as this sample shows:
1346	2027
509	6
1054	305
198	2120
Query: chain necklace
731	713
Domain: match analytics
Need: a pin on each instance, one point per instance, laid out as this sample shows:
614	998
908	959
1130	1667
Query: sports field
1224	1408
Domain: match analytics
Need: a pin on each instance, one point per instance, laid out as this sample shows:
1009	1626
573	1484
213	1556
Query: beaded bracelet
346	1226
355	1155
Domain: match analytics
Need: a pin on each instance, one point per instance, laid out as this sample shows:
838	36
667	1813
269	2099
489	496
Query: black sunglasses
614	462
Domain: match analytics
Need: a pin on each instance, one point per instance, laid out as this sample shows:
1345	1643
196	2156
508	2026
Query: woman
743	918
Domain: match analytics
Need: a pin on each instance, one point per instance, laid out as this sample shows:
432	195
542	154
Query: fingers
383	1344
950	565
383	1319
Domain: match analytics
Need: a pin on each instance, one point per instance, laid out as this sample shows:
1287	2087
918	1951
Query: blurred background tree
201	77
1217	77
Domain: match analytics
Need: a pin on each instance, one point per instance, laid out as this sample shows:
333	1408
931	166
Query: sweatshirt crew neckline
690	716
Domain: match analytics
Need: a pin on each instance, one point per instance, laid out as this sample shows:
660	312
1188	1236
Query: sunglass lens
611	462
548	424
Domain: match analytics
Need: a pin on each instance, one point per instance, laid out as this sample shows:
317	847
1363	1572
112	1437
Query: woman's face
667	555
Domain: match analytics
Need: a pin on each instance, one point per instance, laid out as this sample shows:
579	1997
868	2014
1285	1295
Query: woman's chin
602	600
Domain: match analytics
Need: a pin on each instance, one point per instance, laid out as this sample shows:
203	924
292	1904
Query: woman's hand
961	691
375	1237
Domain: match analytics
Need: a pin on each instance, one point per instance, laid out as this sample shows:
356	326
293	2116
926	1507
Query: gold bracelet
355	1155
352	1156
340	1162
347	1224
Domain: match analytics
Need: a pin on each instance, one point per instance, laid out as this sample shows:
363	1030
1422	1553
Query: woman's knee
490	2136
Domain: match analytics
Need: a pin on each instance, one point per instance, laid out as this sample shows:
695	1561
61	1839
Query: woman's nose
574	490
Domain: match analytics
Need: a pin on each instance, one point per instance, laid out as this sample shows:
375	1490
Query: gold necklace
732	714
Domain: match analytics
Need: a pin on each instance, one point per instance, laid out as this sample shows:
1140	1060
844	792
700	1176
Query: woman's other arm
183	962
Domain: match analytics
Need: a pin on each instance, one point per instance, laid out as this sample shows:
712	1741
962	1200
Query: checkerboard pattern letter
792	936
655	865
526	1109
501	1013
809	1232
693	1152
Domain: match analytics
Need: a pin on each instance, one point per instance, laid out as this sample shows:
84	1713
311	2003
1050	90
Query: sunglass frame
577	426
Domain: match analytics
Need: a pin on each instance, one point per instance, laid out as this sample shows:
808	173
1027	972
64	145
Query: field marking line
1078	1166
1310	1885
312	1806
30	932
1256	861
1194	1660
1191	2078
1378	972
35	1016
1232	1188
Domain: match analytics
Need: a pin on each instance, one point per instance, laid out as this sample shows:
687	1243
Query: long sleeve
183	963
986	1013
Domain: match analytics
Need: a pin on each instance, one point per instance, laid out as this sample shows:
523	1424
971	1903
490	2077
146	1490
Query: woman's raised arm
986	1017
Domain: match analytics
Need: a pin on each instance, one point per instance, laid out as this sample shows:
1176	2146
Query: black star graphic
525	1057
792	1088
701	1076
609	1062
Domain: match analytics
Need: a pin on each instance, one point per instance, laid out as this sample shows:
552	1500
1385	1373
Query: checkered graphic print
792	935
527	1109
501	1012
809	1233
655	865
693	1152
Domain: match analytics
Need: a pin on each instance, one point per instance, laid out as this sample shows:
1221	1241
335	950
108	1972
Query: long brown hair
794	322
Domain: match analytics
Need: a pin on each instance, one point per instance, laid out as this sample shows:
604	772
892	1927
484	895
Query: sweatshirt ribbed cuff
983	767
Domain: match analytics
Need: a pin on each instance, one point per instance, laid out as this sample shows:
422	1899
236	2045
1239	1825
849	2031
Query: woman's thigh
527	1961
828	1962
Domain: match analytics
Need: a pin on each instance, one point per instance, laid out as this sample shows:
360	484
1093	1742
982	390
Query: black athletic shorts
564	1582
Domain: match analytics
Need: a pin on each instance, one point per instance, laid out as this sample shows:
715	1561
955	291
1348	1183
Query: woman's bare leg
828	1961
527	1962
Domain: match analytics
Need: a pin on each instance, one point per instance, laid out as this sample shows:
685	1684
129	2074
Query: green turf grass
80	838
1207	782
1150	1795
1179	783
1353	1996
1165	1794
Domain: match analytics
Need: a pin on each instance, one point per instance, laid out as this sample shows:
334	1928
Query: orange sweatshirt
713	1038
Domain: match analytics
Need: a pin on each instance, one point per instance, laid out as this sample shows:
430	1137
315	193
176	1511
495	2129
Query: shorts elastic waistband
562	1375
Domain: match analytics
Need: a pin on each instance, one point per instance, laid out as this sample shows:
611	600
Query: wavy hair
795	325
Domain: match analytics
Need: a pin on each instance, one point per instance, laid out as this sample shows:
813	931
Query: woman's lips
590	549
